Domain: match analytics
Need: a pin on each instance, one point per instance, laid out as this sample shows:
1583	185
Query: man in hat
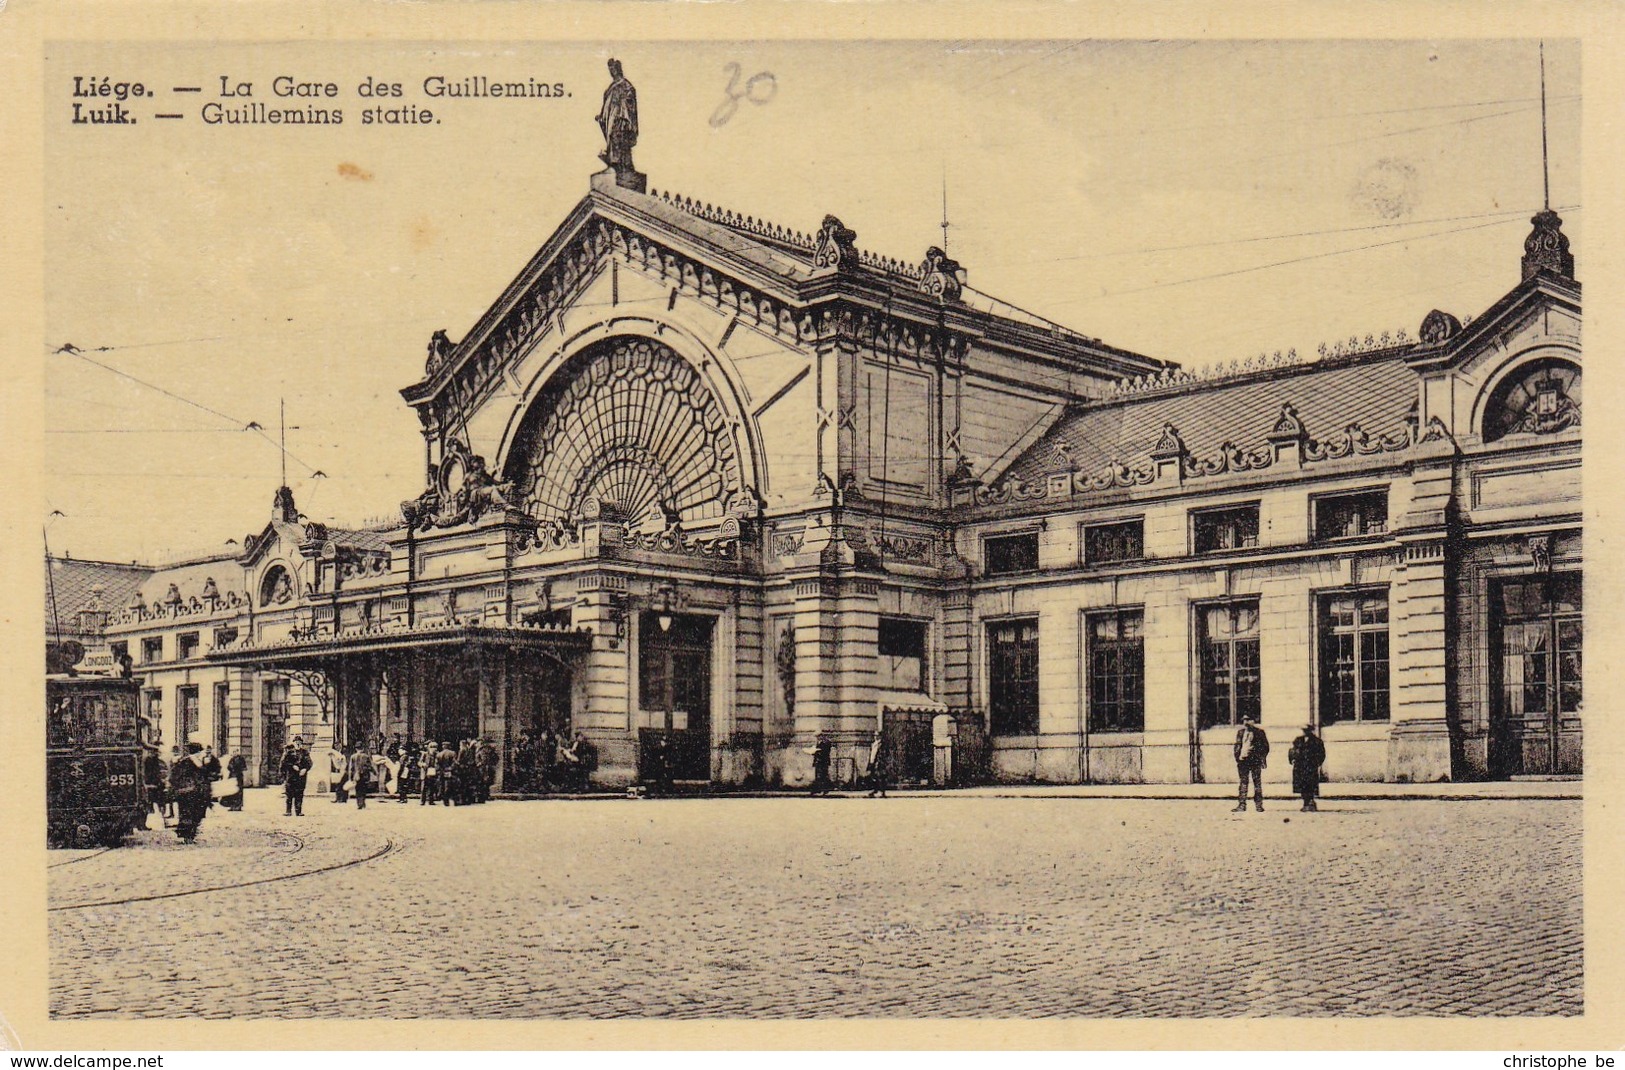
1252	753
1307	755
189	787
295	767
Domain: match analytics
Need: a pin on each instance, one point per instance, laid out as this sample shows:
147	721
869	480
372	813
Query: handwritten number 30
758	89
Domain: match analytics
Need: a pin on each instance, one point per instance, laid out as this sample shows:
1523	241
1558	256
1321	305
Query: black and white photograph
755	529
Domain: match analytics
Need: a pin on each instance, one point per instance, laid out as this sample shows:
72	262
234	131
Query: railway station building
698	476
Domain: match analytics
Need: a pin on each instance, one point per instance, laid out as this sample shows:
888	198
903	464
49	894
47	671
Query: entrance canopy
320	651
437	681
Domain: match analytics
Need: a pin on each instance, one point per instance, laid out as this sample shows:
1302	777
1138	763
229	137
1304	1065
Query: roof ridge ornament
1439	327
940	276
836	247
1547	247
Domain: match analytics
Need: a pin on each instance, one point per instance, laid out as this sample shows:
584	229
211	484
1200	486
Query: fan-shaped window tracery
1540	398
634	427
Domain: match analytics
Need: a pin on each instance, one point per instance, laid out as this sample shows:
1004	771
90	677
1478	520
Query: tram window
92	720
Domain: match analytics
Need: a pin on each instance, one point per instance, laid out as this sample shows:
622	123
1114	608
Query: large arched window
1540	398
634	428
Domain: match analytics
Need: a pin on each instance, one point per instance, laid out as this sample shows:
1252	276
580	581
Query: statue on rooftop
618	119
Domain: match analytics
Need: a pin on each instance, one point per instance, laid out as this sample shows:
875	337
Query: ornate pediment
461	491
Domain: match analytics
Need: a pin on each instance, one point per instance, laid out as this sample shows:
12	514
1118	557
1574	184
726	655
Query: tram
95	749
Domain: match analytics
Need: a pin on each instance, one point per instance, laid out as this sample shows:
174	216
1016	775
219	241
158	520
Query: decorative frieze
1170	456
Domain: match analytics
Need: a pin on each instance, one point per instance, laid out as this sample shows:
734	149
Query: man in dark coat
1252	755
467	773
547	758
821	753
1307	755
236	769
486	761
189	787
295	768
445	764
156	774
360	770
524	762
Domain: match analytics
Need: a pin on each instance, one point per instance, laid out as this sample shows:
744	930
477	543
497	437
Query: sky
1193	201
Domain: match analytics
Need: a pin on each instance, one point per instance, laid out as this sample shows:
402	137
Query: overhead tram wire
1505	214
1284	263
69	349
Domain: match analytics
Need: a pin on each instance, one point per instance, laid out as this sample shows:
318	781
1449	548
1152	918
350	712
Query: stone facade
699	478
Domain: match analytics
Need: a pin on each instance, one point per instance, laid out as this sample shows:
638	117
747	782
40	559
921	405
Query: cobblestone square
912	906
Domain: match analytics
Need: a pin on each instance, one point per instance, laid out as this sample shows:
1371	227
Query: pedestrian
155	772
879	766
1252	752
189	786
408	772
1307	755
294	765
211	764
445	764
361	775
486	761
338	766
236	769
547	758
176	756
820	751
524	761
578	760
427	773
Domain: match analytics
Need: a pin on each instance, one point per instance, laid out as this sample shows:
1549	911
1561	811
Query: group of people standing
546	761
1306	756
183	788
878	778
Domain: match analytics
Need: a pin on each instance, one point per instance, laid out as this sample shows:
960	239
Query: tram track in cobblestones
390	847
82	858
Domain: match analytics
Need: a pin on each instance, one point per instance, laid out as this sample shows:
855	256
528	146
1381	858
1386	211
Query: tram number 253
121	780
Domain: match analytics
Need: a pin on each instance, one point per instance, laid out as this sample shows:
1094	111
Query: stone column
607	683
1420	631
1419	739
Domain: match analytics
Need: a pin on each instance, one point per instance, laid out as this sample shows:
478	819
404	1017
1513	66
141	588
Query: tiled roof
359	538
1376	392
72	581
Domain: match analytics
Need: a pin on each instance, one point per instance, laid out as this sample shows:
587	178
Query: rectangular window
186	713
274	699
1006	554
1235	527
1354	657
1013	677
152	650
1229	663
186	646
902	654
1122	540
1349	516
1117	671
152	707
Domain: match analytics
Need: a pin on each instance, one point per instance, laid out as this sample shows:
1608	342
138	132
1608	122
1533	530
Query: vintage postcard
806	527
